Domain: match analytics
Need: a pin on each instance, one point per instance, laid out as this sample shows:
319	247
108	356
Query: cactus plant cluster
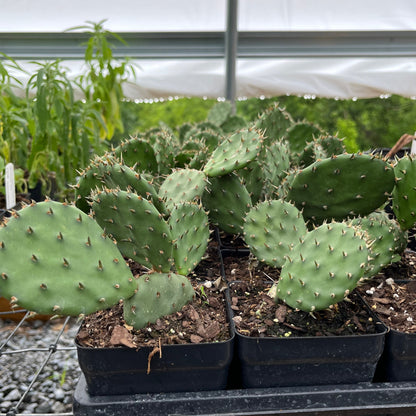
301	203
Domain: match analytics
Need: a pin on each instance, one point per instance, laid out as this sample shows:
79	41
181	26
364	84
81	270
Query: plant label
10	186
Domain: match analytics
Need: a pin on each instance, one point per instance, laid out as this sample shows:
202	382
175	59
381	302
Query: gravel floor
20	361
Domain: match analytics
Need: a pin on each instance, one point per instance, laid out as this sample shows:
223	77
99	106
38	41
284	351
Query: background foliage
368	123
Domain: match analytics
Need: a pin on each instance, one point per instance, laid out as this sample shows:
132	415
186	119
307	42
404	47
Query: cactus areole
54	259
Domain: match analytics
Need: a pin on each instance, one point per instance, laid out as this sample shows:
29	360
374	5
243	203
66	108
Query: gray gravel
52	392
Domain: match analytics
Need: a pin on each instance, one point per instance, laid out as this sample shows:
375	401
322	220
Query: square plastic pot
305	361
180	368
398	362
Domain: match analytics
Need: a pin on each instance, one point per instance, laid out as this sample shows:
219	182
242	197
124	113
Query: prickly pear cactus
158	295
182	185
274	123
234	152
320	148
136	152
342	186
109	173
324	268
189	228
219	113
299	134
385	240
227	201
272	229
54	259
139	228
404	192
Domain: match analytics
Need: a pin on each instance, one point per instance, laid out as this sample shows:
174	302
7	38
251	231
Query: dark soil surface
256	313
392	294
203	320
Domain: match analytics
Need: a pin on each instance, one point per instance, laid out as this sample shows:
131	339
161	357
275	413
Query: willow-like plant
102	83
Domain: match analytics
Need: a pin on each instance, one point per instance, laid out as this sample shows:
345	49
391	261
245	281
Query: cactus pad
271	230
404	192
137	153
234	152
228	202
323	268
182	185
55	260
384	239
139	228
342	186
188	223
158	295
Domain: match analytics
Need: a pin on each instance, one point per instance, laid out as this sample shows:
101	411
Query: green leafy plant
103	81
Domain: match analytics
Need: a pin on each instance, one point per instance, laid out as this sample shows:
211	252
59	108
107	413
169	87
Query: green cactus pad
323	268
227	201
342	186
271	230
234	152
274	123
188	223
384	239
404	192
301	133
109	173
182	185
158	295
90	178
137	153
55	260
219	112
139	228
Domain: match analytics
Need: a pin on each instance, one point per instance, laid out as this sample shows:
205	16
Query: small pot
308	361
176	368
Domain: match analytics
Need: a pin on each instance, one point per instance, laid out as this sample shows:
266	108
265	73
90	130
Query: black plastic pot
399	357
188	367
398	362
180	368
308	361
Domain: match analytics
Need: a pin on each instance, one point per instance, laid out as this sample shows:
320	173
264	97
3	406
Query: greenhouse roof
232	48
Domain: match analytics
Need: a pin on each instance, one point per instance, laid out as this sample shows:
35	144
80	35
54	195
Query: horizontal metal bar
178	45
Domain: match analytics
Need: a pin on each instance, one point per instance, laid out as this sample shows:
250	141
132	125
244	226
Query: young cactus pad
234	152
323	268
139	228
137	153
54	259
188	223
342	186
182	185
158	295
271	230
385	239
109	173
228	202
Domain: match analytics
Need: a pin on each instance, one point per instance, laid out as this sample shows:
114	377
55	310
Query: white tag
10	187
413	148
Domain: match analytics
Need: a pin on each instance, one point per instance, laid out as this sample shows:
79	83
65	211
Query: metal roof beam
178	45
